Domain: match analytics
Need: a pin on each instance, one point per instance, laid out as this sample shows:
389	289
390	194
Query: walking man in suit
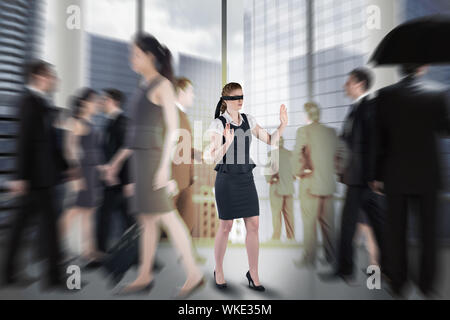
409	117
183	171
115	197
39	164
281	194
316	188
358	136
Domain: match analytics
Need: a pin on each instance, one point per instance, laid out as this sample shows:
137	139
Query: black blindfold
231	98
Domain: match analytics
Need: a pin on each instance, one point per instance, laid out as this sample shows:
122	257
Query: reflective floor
282	279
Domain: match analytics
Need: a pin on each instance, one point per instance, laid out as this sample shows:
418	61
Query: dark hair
37	67
84	94
363	75
149	44
182	83
115	95
409	69
221	105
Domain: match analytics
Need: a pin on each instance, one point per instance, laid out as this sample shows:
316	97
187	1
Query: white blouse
217	126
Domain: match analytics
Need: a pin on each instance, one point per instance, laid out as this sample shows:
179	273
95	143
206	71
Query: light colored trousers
282	206
317	209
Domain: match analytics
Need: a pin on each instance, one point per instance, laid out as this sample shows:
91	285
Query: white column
65	48
64	45
381	19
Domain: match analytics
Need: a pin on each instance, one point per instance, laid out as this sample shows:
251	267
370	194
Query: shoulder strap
224	121
245	118
154	83
84	121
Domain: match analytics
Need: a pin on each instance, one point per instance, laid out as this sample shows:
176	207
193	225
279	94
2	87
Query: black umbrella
420	41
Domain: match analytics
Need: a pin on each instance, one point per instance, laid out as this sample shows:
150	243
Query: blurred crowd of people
68	170
387	156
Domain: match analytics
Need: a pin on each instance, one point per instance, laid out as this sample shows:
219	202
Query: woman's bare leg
252	244
179	236
89	247
371	244
148	244
220	246
65	224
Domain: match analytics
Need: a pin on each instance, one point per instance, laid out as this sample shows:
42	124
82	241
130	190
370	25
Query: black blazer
40	160
409	118
360	140
113	141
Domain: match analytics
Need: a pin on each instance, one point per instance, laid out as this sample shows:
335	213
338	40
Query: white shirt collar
114	115
361	97
39	93
180	107
227	116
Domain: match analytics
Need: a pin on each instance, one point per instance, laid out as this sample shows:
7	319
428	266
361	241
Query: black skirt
236	196
362	217
89	197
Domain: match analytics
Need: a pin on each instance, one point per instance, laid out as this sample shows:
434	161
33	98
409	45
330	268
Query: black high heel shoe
252	285
219	285
139	290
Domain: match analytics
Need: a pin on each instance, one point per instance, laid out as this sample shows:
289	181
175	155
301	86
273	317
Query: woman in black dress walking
235	191
83	149
151	140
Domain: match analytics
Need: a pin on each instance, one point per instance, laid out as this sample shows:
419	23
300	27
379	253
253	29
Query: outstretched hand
228	134
283	115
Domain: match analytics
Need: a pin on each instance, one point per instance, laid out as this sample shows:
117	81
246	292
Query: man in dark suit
115	197
358	136
39	165
409	117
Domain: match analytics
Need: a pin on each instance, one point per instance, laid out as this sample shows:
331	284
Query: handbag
124	254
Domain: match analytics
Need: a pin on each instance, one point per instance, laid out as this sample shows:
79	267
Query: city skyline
272	41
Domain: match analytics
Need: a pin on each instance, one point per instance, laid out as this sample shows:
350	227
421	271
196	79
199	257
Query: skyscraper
296	50
109	65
